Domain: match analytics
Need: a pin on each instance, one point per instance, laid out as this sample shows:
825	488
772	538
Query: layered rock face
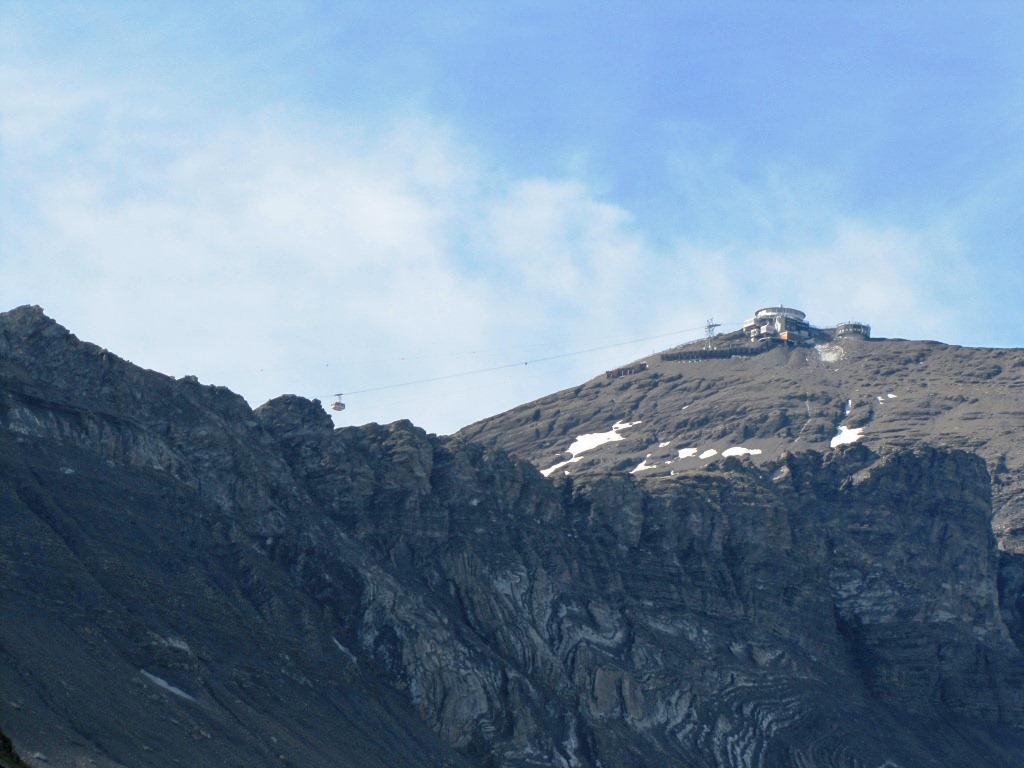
186	581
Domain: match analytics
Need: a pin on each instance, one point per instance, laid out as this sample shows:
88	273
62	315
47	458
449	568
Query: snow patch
686	453
739	450
547	472
165	685
642	467
559	465
584	443
345	650
829	353
891	396
176	644
847	435
665	445
881	399
708	454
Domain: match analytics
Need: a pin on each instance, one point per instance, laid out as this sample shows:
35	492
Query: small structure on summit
778	323
853	328
770	326
628	370
790	325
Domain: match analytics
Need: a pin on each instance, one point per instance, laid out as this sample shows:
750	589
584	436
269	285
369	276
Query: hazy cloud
275	247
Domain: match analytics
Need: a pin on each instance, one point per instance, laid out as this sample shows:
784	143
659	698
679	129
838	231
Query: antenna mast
709	331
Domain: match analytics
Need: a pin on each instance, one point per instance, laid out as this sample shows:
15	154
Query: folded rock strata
186	581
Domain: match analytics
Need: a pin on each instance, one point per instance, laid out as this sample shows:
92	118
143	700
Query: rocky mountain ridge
185	581
678	410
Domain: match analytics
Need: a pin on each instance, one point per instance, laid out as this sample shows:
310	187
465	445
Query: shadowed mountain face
184	581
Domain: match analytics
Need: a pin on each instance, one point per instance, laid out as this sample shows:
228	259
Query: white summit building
790	325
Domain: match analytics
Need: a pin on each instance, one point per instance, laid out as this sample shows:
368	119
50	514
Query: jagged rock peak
37	351
291	416
28	313
21	324
31	337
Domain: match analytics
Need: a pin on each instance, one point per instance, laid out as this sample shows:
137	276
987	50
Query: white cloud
295	255
759	236
288	252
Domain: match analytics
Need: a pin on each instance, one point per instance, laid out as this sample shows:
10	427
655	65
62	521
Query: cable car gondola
337	405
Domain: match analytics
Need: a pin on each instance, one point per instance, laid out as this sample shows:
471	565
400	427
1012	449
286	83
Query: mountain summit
187	581
772	388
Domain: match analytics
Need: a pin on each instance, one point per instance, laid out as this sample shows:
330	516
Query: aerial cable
517	364
403	399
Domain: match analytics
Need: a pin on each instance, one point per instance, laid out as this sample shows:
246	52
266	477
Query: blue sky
314	197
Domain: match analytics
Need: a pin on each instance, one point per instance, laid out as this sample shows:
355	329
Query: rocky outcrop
8	757
781	617
186	581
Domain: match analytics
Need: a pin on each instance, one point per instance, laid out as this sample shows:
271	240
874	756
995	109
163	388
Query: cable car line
338	402
402	400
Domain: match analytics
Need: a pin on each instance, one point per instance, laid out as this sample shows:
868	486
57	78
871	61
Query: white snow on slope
686	453
177	644
891	396
708	453
739	450
642	466
830	353
847	435
584	443
165	685
345	650
547	472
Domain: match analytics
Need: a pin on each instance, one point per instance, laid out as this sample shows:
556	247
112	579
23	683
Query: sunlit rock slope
686	413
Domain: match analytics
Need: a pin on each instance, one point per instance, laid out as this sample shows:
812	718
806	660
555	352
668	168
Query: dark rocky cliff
8	757
184	581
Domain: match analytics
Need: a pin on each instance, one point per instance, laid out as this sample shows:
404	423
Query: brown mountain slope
784	398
